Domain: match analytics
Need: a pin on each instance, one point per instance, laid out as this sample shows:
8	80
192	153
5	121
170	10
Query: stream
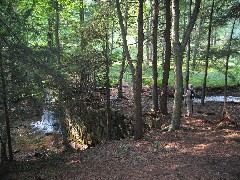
48	122
218	99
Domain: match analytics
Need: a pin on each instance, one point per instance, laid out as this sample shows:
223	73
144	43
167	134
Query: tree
188	50
166	65
124	38
120	79
198	35
138	82
57	21
178	49
227	64
6	110
207	55
154	55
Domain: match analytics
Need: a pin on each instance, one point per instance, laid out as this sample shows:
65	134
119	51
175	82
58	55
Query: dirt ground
206	147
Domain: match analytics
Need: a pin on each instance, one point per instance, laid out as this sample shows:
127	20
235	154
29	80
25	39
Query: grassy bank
215	77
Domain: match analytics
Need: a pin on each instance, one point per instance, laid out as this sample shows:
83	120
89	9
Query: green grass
214	78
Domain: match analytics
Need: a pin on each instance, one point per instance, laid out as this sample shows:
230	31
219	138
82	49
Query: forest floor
206	147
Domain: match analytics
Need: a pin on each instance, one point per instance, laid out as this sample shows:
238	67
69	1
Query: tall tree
124	38
198	34
138	83
207	54
6	111
57	21
108	105
166	65
148	35
227	64
178	49
120	79
188	50
154	55
81	14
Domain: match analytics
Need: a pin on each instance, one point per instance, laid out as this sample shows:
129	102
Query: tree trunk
178	49
81	13
198	34
3	136
226	70
64	117
108	105
125	45
120	95
154	56
50	32
4	157
120	78
148	36
166	69
188	50
207	55
56	6
138	83
6	112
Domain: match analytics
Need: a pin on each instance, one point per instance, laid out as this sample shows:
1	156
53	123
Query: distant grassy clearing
214	78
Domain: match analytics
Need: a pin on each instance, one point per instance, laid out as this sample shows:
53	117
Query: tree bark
207	55
108	105
178	49
227	61
81	13
124	38
188	50
166	66
138	83
120	82
50	32
154	56
198	34
6	112
57	40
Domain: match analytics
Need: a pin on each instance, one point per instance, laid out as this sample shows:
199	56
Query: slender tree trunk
125	45
166	69
178	49
138	83
57	40
188	50
64	118
120	82
226	70
108	111
198	34
6	112
50	32
154	57
81	13
148	37
207	55
4	157
3	136
120	78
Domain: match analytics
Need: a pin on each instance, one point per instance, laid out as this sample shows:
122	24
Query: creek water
48	122
219	99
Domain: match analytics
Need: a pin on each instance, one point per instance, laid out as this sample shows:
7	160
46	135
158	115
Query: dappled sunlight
196	149
172	146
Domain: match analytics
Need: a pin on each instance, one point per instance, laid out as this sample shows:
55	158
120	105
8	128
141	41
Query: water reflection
219	99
